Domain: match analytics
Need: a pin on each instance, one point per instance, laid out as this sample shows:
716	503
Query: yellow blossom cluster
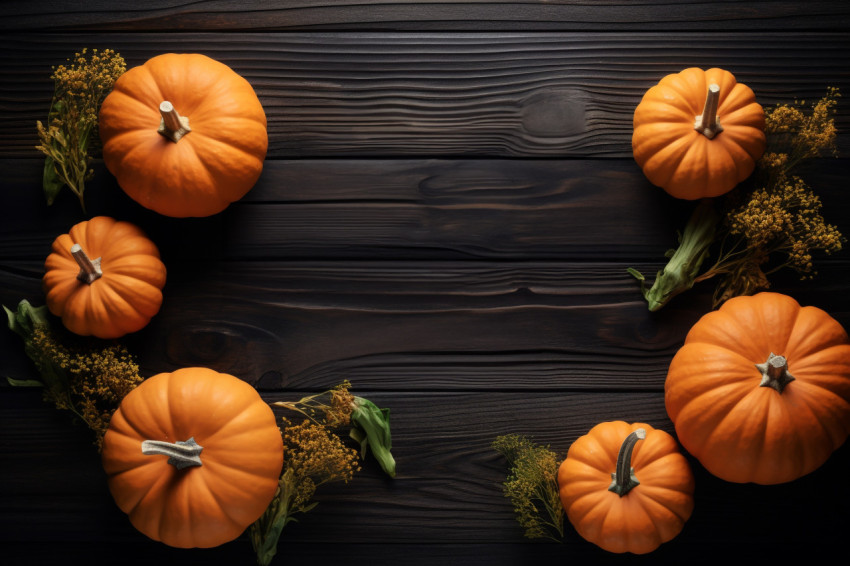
67	139
532	486
801	134
97	379
779	224
315	456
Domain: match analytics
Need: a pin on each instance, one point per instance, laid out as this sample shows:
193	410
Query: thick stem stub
181	454
707	123
90	270
774	373
172	125
623	480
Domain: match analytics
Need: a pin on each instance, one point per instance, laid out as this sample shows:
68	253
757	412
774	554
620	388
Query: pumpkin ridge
244	151
220	504
802	391
126	288
671	157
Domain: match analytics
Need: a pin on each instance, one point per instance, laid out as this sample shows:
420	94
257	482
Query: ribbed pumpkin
698	133
760	391
104	278
193	457
626	487
184	135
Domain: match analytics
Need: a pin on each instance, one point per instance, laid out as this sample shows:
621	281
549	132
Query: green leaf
50	181
26	318
373	424
24	382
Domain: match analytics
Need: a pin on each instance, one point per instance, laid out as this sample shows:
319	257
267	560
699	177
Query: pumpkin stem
90	270
181	454
172	125
774	373
707	123
623	480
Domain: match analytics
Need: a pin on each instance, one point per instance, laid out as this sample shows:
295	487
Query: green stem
682	269
623	480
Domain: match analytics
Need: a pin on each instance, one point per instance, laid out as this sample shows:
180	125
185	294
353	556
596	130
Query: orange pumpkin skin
213	165
242	457
124	298
681	160
743	432
653	512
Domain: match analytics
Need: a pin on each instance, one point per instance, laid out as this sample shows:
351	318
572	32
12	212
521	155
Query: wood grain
608	15
401	209
552	95
445	217
447	490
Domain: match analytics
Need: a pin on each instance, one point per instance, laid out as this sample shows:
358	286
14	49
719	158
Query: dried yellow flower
87	377
532	486
98	379
313	456
71	130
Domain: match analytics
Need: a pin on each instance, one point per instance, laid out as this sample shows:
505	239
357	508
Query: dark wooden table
445	218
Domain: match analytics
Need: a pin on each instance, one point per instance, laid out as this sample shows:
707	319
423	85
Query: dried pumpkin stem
774	373
90	270
623	480
707	124
172	125
181	454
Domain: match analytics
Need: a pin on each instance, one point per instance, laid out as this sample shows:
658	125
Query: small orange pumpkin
649	499
698	133
183	134
193	457
104	278
760	391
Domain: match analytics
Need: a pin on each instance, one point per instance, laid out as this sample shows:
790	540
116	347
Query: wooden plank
447	490
642	15
413	326
552	95
401	209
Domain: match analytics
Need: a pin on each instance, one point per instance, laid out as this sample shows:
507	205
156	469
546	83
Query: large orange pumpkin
698	133
626	487
183	134
193	457
104	278
760	391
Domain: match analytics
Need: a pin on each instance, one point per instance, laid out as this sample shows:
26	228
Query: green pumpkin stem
707	123
90	270
172	125
181	454
774	373
623	480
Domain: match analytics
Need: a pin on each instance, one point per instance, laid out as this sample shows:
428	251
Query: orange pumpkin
193	457
698	133
104	278
760	391
183	134
649	499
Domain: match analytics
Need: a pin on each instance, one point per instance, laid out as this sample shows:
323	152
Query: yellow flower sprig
89	379
368	424
71	129
313	456
532	486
